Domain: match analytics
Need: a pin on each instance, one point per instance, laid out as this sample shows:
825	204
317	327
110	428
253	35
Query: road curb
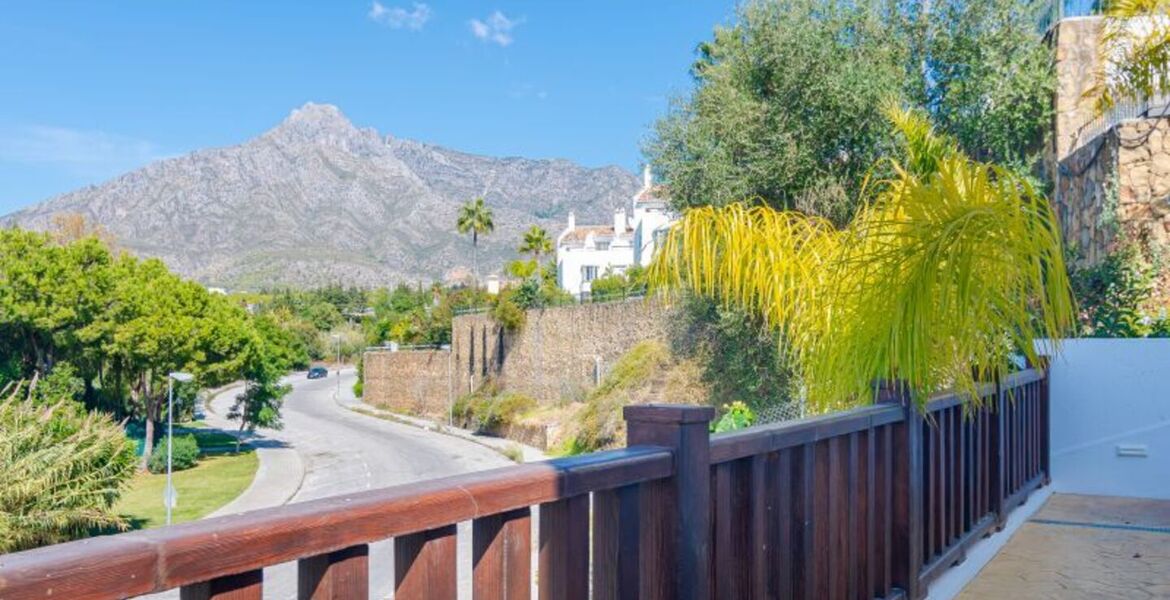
501	445
279	475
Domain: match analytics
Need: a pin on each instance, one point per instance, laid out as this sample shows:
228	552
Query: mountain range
316	200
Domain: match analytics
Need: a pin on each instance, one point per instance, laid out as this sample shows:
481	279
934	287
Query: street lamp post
169	494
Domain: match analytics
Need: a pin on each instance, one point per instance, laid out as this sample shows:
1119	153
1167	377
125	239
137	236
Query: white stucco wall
1106	395
647	221
570	261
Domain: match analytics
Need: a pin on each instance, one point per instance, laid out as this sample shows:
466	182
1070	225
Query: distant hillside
316	200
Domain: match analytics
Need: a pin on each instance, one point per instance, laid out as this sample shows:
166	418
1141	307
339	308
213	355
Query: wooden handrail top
1021	378
769	438
161	559
951	398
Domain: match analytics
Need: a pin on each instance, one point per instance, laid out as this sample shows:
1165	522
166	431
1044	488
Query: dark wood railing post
908	490
687	501
998	464
1045	420
339	575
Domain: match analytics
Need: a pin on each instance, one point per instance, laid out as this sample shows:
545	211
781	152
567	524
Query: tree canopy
786	105
120	325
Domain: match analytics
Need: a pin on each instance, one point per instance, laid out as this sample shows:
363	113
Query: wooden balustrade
870	503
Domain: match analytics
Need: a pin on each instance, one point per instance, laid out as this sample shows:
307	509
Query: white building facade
586	252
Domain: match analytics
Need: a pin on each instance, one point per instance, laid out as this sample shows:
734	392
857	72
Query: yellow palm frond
954	266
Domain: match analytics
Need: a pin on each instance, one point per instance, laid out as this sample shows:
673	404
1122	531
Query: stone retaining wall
1116	181
415	382
559	353
557	356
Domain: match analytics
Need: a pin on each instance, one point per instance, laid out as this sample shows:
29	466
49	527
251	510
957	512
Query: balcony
883	501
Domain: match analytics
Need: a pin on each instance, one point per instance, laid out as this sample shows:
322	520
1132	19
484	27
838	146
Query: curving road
341	451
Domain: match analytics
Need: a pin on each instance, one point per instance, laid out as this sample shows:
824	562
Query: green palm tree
1134	52
62	469
536	242
951	268
475	218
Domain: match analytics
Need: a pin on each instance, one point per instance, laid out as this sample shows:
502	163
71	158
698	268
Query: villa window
589	272
602	245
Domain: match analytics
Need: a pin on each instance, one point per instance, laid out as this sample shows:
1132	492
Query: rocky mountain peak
317	200
323	124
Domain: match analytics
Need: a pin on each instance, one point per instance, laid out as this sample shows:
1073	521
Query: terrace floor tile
1079	546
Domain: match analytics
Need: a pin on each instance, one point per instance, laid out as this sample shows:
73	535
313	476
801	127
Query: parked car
318	373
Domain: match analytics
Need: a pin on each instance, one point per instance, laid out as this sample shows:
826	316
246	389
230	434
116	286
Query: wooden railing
871	503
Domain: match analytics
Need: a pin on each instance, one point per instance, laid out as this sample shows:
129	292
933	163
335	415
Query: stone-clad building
1111	171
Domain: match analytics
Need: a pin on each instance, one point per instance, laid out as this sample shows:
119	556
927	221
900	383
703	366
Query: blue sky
94	89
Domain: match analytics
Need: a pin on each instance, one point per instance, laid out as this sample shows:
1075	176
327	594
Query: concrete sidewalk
281	469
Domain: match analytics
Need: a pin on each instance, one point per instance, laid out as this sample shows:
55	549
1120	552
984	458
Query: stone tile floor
1074	547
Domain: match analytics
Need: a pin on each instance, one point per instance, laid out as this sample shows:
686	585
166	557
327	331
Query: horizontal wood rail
147	561
875	502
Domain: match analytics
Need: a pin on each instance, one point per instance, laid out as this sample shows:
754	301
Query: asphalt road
343	451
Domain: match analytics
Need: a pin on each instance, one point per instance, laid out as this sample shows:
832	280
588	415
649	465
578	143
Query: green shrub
508	314
1114	296
62	383
513	452
488	411
357	388
184	454
615	286
736	415
503	410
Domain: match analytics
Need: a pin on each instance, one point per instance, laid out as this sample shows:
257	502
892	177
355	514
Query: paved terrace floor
1083	547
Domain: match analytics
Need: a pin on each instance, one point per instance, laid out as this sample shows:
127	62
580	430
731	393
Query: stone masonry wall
415	382
1077	59
558	352
1086	194
555	356
1143	177
1118	180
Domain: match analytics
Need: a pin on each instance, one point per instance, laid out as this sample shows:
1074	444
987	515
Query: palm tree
475	217
952	267
536	242
1134	52
62	469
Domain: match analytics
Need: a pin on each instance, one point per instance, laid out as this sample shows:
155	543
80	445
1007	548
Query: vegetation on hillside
489	410
1118	296
648	372
950	267
739	356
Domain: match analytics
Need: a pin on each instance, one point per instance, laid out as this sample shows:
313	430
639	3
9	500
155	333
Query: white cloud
90	153
496	29
397	17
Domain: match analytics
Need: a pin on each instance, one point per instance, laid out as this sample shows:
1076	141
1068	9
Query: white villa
586	252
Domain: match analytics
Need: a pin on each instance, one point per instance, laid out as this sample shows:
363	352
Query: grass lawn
207	439
212	483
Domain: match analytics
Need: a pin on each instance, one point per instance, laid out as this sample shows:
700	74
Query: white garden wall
1110	403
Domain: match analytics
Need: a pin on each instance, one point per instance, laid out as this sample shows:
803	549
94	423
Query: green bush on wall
184	454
